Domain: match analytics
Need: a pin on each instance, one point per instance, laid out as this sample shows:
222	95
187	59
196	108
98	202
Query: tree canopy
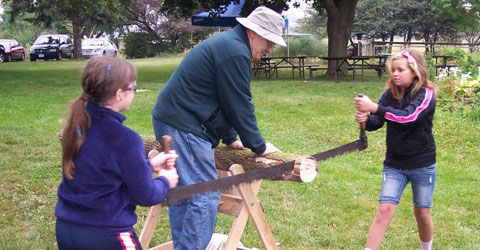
88	17
340	14
430	20
85	16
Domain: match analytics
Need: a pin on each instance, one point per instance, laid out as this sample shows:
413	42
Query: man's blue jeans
192	222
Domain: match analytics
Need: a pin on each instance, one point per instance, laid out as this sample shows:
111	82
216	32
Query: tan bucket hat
266	23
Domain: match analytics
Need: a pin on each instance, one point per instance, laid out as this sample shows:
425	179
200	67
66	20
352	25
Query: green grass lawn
298	116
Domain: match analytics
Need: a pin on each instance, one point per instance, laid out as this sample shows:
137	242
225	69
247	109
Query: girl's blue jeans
192	222
423	184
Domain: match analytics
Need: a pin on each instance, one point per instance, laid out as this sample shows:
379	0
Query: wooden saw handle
167	144
362	124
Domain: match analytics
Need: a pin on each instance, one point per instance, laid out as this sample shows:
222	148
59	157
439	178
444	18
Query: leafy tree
21	30
339	22
430	20
341	14
149	17
142	44
314	23
186	8
375	19
385	19
462	17
90	14
82	15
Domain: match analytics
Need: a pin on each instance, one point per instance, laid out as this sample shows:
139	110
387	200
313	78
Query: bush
303	45
465	61
141	45
460	94
432	70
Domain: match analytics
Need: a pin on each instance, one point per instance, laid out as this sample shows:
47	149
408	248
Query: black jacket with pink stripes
410	142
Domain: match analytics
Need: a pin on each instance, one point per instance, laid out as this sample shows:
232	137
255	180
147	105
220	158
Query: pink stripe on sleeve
413	116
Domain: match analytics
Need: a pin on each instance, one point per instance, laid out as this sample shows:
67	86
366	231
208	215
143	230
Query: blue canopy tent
226	19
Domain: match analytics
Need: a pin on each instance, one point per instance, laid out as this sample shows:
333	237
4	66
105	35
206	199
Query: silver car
98	47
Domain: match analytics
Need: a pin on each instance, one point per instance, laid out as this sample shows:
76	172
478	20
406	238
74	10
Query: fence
370	48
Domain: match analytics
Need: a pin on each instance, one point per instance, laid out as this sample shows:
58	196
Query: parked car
11	50
98	47
52	46
2	54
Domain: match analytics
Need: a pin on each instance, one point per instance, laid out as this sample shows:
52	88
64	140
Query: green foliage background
302	45
141	45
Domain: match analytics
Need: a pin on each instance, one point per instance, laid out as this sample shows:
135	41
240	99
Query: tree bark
77	34
341	14
305	169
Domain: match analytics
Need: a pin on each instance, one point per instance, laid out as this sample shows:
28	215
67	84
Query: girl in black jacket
407	106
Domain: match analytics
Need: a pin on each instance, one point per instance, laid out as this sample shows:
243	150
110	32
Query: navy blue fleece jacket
410	142
209	92
112	176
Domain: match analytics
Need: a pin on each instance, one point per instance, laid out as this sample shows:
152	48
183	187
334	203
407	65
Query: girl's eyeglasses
134	88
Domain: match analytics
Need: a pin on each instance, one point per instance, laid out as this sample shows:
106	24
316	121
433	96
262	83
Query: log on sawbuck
305	169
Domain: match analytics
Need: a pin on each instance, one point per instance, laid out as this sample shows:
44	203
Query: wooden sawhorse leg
240	202
244	207
149	228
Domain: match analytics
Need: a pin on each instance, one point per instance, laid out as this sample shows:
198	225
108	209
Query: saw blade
178	194
184	192
359	144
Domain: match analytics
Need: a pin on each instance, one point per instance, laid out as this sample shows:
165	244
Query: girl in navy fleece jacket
407	106
105	172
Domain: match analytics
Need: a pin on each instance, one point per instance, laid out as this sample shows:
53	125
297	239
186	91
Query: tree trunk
77	34
426	38
392	38
341	14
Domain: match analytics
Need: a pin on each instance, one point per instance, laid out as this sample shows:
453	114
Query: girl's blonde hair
417	64
101	78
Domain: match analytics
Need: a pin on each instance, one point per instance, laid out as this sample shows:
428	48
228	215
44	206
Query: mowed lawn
298	116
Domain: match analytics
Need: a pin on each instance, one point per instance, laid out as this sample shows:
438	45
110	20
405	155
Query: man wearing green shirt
208	99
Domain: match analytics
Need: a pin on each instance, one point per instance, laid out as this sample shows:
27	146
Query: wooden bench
335	70
310	66
265	67
379	68
285	66
445	66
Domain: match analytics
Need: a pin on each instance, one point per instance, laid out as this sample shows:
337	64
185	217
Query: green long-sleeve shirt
209	92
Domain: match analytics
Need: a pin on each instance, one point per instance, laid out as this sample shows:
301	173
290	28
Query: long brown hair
101	78
417	64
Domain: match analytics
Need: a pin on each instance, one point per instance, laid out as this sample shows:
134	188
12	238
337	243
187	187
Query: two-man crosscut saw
185	192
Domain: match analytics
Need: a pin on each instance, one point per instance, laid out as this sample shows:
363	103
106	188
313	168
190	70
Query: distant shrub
465	61
303	45
430	65
140	45
459	92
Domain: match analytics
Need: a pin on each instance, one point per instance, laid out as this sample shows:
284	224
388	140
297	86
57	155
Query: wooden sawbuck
240	202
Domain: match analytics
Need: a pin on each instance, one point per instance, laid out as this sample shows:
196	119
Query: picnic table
445	62
270	65
354	63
